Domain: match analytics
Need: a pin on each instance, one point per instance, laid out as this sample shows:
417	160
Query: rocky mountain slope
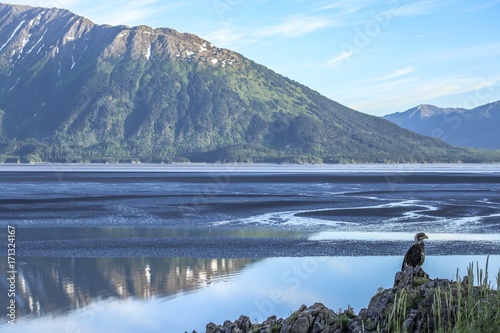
73	91
476	127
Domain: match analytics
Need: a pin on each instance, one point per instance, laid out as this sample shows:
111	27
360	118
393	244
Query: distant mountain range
477	128
74	91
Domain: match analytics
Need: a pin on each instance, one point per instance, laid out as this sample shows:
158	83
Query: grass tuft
457	307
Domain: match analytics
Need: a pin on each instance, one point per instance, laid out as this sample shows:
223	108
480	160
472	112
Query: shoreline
254	167
392	174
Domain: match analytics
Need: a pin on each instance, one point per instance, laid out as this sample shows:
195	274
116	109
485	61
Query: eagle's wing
413	256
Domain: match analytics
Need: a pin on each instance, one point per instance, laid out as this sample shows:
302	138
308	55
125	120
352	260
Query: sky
377	57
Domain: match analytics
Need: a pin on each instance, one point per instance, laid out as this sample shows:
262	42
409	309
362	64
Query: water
172	248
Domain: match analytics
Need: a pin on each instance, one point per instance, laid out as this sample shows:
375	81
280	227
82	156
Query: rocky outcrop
415	304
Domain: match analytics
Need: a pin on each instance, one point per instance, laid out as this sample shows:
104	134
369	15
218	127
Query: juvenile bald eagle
415	255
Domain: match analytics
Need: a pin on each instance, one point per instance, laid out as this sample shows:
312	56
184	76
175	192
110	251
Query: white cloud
418	8
347	6
296	25
130	12
341	57
397	73
230	38
234	37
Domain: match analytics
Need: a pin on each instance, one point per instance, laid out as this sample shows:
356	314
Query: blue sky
377	57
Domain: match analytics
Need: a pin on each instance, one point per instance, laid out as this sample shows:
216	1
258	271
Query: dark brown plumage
415	255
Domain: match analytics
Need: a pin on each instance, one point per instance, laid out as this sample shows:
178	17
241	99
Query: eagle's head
419	238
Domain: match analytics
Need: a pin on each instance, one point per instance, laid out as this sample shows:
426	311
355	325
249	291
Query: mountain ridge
475	128
427	111
75	91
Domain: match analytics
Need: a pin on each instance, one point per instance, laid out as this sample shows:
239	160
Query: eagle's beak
425	237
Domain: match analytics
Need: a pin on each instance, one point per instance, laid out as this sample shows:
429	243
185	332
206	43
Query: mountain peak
476	128
427	111
29	34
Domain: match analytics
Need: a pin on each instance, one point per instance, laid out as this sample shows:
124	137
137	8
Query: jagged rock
301	325
375	312
317	319
410	323
410	276
244	323
212	328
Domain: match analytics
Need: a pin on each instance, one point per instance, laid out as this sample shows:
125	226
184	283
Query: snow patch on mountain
13	34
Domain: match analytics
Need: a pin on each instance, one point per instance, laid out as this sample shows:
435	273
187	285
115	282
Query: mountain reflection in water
58	285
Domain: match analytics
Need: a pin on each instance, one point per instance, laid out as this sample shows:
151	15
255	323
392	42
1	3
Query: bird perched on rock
415	255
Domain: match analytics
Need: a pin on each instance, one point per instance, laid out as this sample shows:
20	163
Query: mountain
73	91
476	128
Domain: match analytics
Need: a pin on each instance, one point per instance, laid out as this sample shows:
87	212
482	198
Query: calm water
172	251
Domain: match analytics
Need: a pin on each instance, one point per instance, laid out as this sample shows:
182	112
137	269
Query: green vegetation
456	307
276	328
